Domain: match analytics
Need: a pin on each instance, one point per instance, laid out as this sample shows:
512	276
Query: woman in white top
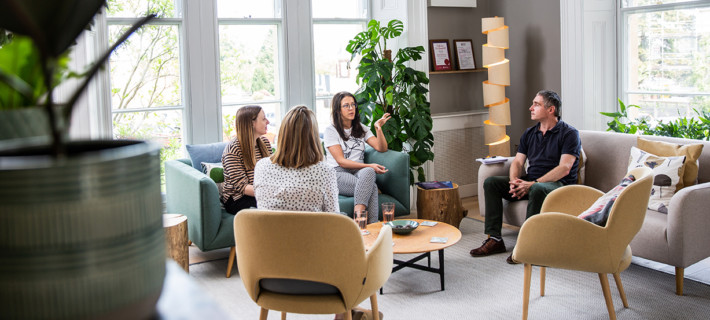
345	142
295	177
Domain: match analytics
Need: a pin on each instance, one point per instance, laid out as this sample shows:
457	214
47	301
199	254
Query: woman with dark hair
345	141
295	178
240	157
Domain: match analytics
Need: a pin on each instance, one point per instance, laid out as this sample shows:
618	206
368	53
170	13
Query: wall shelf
459	71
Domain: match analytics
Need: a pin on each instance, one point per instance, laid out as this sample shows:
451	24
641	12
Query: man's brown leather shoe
489	247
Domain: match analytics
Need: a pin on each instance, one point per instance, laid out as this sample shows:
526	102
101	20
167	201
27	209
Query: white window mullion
202	100
299	71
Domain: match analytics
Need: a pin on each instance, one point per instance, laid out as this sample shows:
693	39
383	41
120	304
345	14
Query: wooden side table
440	205
175	226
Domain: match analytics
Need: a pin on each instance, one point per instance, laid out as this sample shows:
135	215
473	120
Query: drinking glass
361	220
388	211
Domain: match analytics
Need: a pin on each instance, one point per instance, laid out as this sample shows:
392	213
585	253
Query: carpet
489	288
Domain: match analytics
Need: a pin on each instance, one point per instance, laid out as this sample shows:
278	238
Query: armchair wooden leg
230	263
283	315
679	274
619	286
348	315
607	295
526	289
263	314
542	281
373	304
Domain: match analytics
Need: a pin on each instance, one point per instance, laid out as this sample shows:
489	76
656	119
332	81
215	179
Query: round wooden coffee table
419	241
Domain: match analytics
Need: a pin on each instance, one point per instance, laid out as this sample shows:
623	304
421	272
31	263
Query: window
145	78
335	23
181	78
249	50
665	53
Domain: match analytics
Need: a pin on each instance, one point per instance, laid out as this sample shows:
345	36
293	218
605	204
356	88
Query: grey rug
488	288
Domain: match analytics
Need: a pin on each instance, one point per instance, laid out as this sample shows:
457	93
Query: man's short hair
551	98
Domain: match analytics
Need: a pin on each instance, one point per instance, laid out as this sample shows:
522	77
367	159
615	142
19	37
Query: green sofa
193	194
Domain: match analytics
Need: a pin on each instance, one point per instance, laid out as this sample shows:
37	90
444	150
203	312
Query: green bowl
403	226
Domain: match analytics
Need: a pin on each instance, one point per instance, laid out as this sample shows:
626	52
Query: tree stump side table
441	205
175	226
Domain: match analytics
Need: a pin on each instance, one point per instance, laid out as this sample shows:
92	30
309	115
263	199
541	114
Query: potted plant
80	221
388	85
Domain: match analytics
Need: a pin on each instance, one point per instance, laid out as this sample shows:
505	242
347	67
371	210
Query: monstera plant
81	220
389	85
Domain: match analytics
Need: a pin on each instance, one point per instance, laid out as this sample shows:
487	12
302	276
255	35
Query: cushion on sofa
668	173
209	153
598	213
665	149
215	171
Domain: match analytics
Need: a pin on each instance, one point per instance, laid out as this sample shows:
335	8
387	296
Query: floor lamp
494	99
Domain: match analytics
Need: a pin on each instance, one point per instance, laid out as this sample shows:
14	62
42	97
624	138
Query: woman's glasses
349	106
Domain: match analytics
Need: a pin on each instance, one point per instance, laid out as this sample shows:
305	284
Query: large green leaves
392	86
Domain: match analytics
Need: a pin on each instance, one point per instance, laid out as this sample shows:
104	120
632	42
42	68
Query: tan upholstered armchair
309	262
557	238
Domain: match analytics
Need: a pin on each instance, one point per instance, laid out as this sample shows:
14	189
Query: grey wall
534	55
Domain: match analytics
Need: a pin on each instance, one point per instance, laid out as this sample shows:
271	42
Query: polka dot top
312	188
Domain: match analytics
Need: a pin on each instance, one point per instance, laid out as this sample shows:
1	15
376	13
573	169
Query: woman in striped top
240	157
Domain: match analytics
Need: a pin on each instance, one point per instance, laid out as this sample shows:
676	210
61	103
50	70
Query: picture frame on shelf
463	51
440	56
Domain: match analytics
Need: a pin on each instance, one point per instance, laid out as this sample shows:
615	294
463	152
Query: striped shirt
236	175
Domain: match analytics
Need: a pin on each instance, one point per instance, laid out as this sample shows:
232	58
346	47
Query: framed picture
463	49
440	57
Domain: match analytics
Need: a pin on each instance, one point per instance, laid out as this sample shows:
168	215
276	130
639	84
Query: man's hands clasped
519	188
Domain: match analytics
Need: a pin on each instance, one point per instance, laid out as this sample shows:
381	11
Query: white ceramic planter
81	237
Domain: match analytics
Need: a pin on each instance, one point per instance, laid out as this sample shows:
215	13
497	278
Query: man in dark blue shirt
552	150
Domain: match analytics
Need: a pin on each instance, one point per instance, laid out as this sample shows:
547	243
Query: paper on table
428	223
492	160
438	239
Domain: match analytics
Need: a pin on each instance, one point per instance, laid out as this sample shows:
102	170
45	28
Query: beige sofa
679	238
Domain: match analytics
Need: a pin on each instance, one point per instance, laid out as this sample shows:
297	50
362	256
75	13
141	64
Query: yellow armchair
309	262
557	238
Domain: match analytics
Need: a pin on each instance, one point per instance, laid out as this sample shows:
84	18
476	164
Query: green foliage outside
392	86
682	127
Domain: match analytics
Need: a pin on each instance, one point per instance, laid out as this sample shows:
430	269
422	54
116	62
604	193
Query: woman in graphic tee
345	141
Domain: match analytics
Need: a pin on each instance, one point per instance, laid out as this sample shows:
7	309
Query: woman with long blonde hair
295	178
240	158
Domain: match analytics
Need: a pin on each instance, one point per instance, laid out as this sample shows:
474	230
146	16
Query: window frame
201	106
624	12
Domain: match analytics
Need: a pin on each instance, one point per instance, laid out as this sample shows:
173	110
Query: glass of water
388	211
361	220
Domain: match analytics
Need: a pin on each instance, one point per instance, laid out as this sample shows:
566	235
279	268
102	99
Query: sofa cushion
209	153
665	149
215	171
581	168
598	213
668	173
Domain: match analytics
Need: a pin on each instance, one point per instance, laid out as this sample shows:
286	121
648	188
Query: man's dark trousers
497	188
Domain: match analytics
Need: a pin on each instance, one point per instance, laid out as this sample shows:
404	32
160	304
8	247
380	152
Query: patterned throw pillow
216	172
667	180
665	149
598	213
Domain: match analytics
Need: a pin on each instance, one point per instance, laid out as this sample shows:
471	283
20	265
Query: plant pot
81	236
26	123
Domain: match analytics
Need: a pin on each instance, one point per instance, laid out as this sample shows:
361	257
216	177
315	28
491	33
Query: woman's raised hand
381	122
